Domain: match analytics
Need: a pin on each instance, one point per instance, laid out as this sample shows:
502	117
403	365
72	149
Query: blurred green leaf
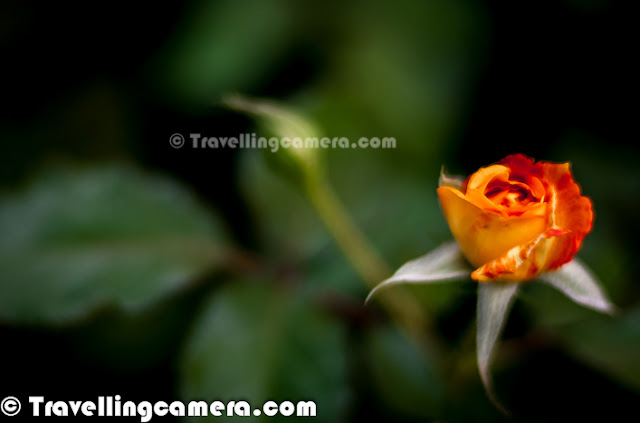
609	344
288	227
221	46
144	339
406	377
76	240
397	208
256	344
402	70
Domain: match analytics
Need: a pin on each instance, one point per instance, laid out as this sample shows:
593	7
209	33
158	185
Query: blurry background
130	267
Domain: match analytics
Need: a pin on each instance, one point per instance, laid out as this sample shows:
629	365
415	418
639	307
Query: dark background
462	84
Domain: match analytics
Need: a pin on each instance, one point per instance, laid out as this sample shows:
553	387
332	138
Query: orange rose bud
516	219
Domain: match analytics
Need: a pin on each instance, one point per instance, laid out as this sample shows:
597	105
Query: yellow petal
484	175
522	262
483	235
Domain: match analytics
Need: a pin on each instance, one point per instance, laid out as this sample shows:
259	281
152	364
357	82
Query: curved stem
365	260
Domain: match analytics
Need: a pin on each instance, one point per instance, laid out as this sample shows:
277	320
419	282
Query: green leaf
445	263
405	377
609	345
256	344
219	47
77	240
143	340
288	227
494	302
577	282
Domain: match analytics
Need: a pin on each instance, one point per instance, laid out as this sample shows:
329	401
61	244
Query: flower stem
365	260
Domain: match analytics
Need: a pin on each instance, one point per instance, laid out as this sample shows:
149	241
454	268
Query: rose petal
484	236
482	177
537	188
522	167
569	210
481	201
524	261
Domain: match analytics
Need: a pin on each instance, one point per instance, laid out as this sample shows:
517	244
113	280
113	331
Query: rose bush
517	218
